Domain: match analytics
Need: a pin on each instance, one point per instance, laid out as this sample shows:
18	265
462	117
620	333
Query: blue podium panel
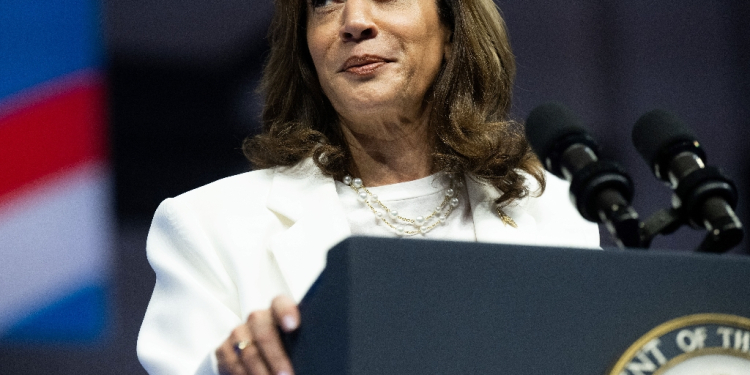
387	306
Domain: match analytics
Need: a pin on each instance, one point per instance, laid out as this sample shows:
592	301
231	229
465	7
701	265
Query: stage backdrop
55	216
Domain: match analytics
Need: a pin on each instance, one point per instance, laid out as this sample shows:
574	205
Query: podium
401	306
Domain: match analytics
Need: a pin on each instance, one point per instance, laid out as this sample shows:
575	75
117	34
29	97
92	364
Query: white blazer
228	248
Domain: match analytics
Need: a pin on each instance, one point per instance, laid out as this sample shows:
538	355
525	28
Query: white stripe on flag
54	239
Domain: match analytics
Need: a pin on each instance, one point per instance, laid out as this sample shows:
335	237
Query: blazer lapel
487	224
307	203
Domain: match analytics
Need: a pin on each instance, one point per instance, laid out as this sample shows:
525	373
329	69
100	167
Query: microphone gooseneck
601	190
703	196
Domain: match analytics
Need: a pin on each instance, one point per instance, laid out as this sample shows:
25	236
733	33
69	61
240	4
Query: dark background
182	76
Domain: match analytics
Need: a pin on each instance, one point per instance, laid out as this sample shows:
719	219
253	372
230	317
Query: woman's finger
252	358
228	356
268	343
285	313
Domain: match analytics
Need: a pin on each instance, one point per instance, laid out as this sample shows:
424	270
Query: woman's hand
254	347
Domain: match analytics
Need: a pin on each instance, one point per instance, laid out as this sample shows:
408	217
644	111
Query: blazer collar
306	202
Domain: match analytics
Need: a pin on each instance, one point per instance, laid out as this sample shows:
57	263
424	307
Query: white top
411	199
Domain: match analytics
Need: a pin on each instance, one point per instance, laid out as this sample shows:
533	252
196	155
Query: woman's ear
447	45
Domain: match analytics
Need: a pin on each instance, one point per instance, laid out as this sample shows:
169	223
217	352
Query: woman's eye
321	3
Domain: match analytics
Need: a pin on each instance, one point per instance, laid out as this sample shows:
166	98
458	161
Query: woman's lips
365	69
363	65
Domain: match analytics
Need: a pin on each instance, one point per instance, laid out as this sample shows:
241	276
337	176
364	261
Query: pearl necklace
401	225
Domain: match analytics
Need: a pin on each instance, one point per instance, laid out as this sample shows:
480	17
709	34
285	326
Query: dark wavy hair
470	103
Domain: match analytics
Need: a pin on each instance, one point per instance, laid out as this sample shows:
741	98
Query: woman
382	118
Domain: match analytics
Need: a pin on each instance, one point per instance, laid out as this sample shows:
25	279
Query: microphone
601	190
702	194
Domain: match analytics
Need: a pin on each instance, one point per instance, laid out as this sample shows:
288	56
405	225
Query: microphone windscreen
657	130
549	123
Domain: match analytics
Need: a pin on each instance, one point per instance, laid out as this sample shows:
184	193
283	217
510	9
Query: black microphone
600	189
702	194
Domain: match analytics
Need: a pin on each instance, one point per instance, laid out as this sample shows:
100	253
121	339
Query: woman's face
376	57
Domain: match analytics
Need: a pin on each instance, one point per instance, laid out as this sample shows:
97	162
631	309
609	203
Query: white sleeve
194	306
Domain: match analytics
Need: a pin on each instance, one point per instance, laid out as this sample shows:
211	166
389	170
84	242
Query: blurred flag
56	220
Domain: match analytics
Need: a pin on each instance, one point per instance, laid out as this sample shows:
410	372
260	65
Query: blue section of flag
42	40
79	318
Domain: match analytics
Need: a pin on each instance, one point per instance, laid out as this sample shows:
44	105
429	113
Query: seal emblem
705	344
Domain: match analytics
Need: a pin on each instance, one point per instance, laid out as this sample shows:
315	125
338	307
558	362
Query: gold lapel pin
507	220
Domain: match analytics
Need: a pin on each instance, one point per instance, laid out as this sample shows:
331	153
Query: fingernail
290	323
284	373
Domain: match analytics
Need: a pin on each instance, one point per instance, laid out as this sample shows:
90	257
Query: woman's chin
370	110
378	105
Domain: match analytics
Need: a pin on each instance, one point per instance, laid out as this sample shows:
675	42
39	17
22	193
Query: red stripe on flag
52	136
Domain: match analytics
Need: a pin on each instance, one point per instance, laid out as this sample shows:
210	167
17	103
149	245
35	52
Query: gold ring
240	345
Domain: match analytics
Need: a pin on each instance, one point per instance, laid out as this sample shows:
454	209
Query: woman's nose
358	23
